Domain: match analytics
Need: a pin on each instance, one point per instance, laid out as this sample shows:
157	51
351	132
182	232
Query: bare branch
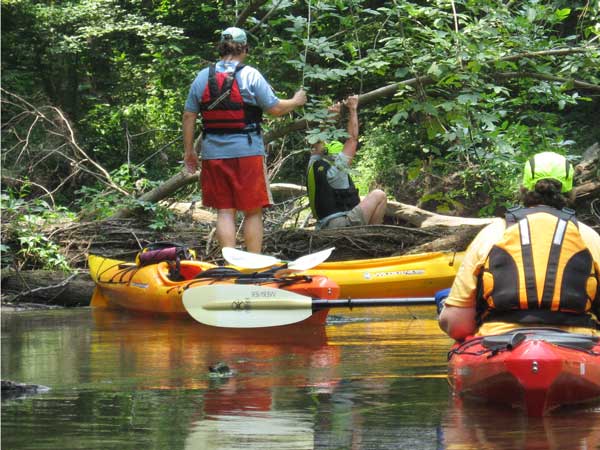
80	150
265	17
29	292
250	9
58	126
19	180
543	76
542	53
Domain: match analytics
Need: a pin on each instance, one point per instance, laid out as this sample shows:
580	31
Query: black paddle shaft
318	304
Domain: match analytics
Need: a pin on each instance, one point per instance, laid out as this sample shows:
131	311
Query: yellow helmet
548	165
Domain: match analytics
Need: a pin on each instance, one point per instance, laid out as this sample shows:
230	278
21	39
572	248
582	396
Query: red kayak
535	369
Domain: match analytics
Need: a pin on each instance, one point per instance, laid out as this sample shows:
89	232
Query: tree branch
250	9
170	186
58	126
542	53
363	99
543	76
265	17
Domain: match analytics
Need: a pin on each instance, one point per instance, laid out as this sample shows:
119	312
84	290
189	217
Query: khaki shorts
354	218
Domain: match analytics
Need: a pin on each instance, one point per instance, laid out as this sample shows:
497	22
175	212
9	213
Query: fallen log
161	192
13	389
403	212
47	287
422	218
586	182
194	211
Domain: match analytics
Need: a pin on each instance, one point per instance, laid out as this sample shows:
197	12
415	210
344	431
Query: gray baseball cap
234	34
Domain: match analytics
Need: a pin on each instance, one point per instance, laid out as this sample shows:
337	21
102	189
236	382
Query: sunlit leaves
123	69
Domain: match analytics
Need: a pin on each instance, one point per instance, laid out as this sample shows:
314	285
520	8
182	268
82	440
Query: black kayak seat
551	335
219	272
222	273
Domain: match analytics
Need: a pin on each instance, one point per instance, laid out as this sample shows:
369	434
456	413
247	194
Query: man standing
333	199
231	97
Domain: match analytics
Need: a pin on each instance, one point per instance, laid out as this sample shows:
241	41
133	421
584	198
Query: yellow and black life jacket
541	271
325	200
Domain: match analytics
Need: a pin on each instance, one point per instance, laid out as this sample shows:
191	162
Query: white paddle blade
248	260
311	260
245	306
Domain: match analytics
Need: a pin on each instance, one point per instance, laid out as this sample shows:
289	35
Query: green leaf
562	14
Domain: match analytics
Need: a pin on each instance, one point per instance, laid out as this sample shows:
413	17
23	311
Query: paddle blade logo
241	305
264	294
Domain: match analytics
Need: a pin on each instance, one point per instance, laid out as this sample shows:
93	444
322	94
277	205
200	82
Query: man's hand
351	102
190	160
335	110
288	105
299	97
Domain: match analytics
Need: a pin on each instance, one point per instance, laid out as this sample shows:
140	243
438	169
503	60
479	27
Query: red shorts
235	183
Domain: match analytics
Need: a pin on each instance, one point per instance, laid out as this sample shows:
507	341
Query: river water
369	379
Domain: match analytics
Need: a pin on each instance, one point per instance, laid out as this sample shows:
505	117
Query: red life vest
222	107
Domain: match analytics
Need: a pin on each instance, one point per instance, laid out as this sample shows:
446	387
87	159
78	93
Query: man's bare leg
373	207
253	230
226	227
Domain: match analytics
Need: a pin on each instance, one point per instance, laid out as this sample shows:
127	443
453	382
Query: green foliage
479	91
25	226
385	159
98	203
161	217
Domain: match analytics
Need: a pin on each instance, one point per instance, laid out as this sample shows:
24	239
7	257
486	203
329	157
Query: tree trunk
422	218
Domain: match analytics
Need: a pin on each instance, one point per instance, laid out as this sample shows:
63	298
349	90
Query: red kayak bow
535	369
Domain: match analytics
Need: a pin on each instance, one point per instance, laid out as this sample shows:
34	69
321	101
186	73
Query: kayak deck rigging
508	341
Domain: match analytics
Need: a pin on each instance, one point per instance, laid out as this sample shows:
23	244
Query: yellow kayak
158	287
419	275
145	289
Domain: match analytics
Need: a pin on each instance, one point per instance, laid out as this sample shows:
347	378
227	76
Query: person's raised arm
351	144
288	105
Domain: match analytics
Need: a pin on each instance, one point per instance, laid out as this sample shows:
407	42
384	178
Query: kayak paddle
249	260
251	306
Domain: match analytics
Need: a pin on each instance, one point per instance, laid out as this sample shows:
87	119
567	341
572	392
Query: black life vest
541	271
325	200
222	107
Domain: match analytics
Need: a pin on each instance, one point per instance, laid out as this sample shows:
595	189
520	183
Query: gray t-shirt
337	175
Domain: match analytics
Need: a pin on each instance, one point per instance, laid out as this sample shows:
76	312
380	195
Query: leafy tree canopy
480	86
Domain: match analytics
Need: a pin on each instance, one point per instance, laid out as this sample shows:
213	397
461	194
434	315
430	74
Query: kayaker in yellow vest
537	267
334	200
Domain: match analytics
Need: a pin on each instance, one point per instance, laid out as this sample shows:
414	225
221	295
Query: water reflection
267	430
177	354
245	410
369	379
471	426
